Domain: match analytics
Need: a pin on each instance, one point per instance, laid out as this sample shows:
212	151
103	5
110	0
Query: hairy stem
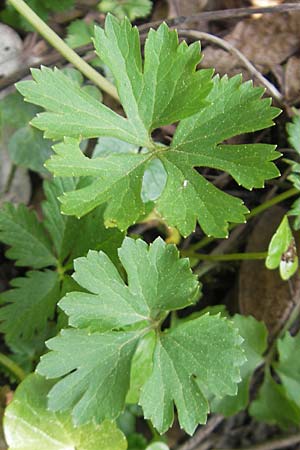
41	27
12	367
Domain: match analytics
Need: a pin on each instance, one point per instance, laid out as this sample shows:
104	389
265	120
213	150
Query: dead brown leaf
185	7
266	41
292	79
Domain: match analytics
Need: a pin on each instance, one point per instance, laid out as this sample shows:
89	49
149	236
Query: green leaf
111	325
29	425
130	8
294	177
29	305
293	130
155	177
295	211
154	181
95	236
288	367
255	336
153	290
73	237
79	33
26	145
273	406
15	112
56	224
72	111
188	196
107	145
164	91
20	229
91	362
141	368
282	251
27	148
198	356
153	95
122	177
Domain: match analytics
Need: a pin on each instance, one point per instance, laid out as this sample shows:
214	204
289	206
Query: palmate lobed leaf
108	325
157	91
194	359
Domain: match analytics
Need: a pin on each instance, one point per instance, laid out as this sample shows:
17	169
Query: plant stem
12	367
58	43
155	435
266	205
231	256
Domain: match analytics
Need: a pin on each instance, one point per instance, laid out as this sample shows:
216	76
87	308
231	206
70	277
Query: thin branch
225	14
202	433
227	256
59	44
245	61
48	60
176	21
273	444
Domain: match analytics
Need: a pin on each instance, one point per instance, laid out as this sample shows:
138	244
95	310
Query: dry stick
202	433
208	16
48	60
194	34
59	44
273	444
234	13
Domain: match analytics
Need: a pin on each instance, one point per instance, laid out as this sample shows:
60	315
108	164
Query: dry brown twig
55	58
274	444
235	13
194	34
202	433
